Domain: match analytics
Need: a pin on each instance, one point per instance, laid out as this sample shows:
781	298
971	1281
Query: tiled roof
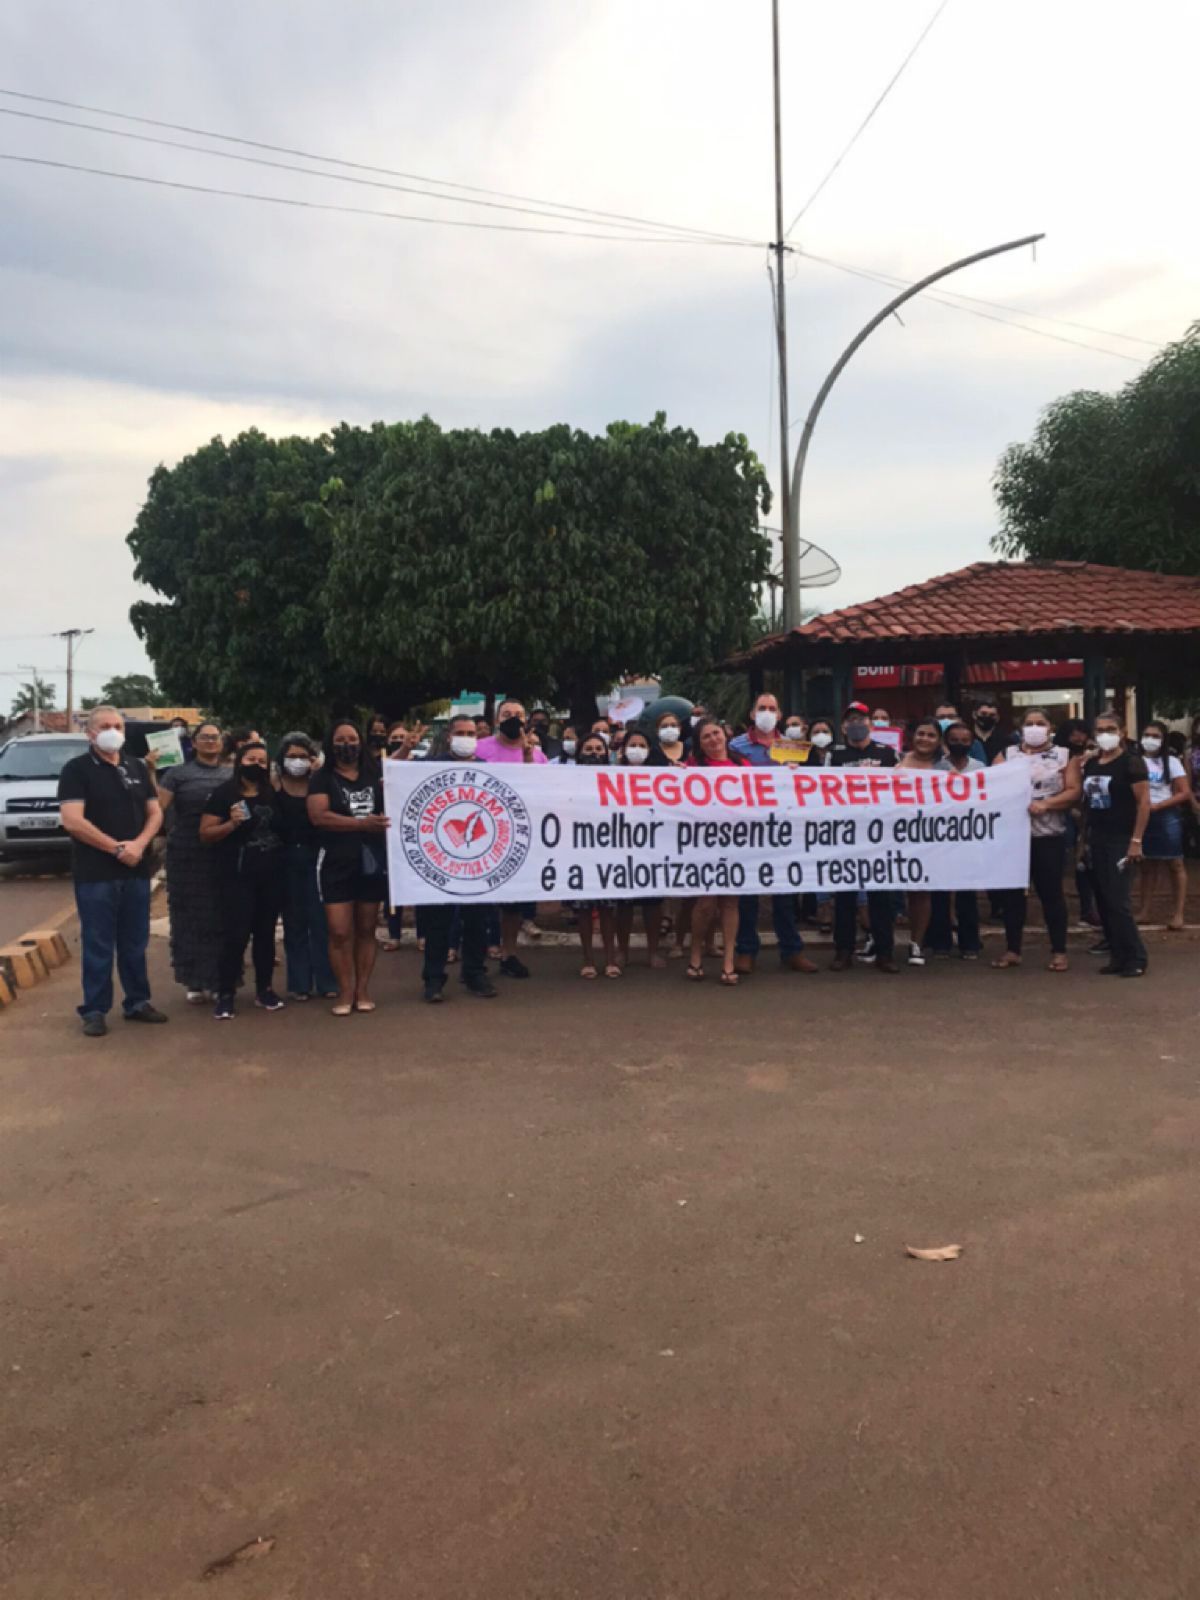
995	599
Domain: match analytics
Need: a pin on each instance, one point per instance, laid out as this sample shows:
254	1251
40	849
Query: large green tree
231	538
546	562
1112	478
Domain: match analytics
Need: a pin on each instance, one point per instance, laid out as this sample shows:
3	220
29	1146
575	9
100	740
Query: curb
31	958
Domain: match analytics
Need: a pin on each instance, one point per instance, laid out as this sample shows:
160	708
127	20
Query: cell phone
1122	864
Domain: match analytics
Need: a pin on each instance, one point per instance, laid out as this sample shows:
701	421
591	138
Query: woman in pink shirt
710	748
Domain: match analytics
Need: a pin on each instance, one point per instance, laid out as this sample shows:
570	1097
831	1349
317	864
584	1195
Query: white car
29	821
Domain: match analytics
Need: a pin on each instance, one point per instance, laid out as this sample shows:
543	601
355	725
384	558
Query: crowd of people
256	836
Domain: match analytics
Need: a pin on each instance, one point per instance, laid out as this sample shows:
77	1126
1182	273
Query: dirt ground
559	1295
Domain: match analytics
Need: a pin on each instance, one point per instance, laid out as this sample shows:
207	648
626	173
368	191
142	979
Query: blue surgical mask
944	722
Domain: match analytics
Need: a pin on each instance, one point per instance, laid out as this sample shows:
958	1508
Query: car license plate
35	824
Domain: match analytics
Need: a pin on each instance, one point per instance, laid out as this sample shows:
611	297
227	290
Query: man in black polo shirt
860	750
109	808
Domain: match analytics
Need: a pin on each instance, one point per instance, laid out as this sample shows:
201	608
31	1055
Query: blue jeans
305	934
114	920
783	915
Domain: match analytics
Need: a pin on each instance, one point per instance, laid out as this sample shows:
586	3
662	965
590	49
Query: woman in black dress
241	825
193	887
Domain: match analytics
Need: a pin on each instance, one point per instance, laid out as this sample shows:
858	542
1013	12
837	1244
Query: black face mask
251	772
592	761
396	745
957	750
377	741
511	727
986	719
347	754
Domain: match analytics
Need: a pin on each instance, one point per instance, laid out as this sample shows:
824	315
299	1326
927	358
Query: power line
585	213
892	282
862	127
314	172
366	211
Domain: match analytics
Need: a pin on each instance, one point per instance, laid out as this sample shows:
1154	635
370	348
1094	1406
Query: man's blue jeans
114	920
783	915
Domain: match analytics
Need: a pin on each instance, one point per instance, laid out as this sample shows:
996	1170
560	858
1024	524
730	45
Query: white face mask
637	755
695	719
1108	741
880	722
463	745
822	740
599	734
110	740
1034	734
766	721
668	734
297	766
569	747
1151	746
796	731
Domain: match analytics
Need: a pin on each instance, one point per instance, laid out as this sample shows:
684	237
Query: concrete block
50	944
24	964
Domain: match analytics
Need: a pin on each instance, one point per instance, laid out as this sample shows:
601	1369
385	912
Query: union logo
464	830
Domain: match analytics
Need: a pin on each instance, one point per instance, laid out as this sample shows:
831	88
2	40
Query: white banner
464	831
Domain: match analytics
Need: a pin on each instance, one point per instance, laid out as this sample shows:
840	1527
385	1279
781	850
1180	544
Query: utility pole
37	695
779	248
72	635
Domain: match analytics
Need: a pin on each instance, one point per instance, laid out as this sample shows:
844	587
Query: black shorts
340	882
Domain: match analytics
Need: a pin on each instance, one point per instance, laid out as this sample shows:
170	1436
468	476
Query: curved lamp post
792	588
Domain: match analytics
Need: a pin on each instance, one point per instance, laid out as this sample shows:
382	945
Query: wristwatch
119	851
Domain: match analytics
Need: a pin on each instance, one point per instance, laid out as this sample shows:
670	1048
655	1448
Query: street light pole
37	695
791	597
779	248
72	635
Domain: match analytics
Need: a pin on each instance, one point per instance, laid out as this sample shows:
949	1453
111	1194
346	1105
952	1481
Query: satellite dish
818	569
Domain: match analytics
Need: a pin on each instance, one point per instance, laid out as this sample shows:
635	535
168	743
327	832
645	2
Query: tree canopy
38	692
229	538
1112	478
127	689
391	565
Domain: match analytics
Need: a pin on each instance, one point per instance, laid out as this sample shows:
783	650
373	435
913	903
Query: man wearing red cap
860	750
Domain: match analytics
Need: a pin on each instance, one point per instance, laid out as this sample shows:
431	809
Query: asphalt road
31	892
559	1297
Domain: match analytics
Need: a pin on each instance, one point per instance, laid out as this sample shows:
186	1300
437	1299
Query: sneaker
433	994
298	999
867	953
146	1013
483	990
94	1026
268	1000
915	957
531	930
197	997
1100	948
514	967
223	1009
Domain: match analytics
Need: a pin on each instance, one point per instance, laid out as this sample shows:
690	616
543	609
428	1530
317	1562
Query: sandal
695	973
730	980
588	972
612	970
364	1005
1008	959
390	945
1057	963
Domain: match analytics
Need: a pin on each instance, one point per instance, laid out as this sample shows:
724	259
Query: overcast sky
137	322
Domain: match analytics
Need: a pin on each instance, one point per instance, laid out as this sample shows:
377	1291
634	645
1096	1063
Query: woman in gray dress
193	889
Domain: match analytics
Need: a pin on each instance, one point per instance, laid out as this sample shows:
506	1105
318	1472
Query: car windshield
24	759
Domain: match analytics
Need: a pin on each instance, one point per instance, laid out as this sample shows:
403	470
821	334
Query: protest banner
465	831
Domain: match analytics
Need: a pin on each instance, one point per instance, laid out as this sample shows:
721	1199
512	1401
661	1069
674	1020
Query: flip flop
1008	959
695	973
1057	963
588	972
612	971
730	980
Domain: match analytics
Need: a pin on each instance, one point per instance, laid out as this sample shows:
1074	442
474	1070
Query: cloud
137	322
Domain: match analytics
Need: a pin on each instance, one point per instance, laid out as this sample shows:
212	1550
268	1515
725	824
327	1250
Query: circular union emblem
465	830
